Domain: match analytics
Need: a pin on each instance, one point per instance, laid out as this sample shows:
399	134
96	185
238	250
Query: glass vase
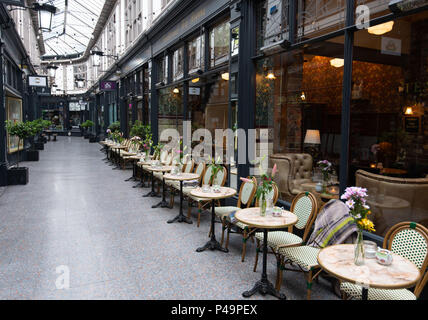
359	249
263	206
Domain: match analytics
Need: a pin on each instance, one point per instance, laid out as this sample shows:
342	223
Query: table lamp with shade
312	142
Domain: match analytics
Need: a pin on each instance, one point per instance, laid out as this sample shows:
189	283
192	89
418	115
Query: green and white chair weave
409	240
245	199
305	207
219	179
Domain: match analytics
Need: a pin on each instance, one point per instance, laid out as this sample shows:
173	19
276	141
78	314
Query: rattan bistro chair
409	240
174	186
245	199
244	229
305	206
219	179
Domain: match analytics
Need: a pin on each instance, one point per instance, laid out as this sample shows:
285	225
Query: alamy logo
63	281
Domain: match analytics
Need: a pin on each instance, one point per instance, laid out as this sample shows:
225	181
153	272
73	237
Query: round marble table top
389	202
223	194
182	177
117	147
339	261
252	217
136	157
159	169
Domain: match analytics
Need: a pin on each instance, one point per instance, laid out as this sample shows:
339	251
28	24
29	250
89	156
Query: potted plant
21	130
35	128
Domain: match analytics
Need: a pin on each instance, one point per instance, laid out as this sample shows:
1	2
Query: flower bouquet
216	166
326	169
355	198
264	187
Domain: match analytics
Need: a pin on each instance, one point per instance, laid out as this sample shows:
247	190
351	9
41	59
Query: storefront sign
195	91
107	86
398	6
43	91
37	81
391	46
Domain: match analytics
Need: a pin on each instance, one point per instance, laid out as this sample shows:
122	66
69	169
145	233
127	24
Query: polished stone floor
79	213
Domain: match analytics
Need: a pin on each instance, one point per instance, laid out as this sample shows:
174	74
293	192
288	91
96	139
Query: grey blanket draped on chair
334	225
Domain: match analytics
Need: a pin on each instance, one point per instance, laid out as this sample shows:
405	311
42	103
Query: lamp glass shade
337	62
52	72
381	28
45	20
313	137
96	60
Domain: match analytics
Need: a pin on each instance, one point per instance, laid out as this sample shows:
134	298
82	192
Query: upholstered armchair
294	169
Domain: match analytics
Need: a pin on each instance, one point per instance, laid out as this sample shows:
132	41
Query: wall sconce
51	70
80	83
303	96
225	76
176	90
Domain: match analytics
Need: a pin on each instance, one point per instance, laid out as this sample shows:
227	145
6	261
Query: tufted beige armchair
294	169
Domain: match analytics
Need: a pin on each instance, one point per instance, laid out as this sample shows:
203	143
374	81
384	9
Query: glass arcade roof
72	26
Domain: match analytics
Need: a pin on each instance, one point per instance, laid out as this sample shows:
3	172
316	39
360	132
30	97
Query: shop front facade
344	81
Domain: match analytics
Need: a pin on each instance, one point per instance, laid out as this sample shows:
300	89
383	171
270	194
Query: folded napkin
191	183
232	217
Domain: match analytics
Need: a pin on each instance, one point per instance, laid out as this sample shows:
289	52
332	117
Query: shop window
14	114
318	17
177	64
196	54
299	92
234	42
219	44
163	70
272	22
389	108
170	110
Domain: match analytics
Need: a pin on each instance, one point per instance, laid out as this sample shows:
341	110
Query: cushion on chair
223	212
277	238
304	256
355	291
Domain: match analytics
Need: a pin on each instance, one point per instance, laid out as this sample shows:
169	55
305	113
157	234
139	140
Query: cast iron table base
213	244
264	286
181	217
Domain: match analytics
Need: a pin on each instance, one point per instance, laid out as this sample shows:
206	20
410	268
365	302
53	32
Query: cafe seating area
297	237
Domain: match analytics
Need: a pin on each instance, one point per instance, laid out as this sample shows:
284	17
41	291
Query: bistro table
323	196
143	162
253	219
181	178
338	260
117	157
135	158
224	193
163	170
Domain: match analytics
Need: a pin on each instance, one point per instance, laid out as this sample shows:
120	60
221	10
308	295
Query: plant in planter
21	130
115	126
86	125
